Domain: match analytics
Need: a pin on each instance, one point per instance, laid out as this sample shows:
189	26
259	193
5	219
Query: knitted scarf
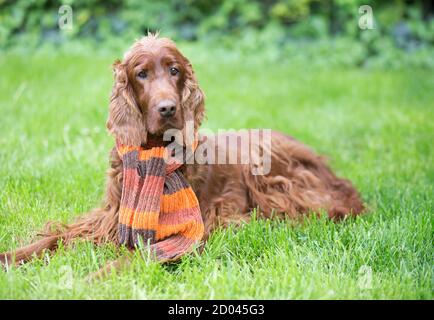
158	208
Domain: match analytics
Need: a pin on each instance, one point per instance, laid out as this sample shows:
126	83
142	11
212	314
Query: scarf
158	207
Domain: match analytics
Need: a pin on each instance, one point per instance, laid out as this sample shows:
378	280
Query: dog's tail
299	182
99	226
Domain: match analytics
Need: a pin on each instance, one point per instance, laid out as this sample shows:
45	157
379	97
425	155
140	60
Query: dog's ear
193	98
125	121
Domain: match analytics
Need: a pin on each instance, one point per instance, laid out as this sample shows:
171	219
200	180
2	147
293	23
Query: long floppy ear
125	121
193	98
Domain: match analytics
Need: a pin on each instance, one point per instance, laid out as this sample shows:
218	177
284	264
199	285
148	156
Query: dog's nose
166	108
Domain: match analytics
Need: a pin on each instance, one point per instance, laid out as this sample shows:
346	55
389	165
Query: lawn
376	127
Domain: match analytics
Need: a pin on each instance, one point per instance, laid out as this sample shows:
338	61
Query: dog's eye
173	71
142	74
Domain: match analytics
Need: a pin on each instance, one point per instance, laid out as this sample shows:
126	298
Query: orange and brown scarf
158	207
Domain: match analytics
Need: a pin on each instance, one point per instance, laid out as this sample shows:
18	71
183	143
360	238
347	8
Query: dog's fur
299	181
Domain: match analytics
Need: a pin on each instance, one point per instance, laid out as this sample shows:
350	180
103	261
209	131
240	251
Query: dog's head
155	89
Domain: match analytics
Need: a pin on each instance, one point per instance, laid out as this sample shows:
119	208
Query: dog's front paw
110	268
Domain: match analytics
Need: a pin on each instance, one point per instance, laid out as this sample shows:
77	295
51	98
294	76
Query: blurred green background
313	31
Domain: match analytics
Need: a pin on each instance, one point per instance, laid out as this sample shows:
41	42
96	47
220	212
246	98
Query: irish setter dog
155	89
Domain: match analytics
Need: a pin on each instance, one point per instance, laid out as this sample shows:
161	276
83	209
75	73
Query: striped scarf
158	208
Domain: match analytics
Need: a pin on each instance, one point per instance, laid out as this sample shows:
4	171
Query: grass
376	127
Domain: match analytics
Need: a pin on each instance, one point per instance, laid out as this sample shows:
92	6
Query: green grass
376	127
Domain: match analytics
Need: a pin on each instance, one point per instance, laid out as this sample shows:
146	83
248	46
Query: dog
155	89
